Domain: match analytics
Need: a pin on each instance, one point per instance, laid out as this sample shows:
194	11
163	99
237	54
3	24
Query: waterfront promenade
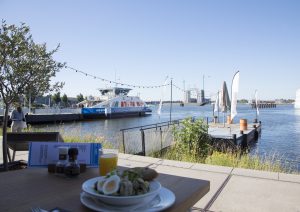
231	189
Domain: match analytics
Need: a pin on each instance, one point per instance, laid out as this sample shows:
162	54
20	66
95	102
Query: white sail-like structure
234	94
256	103
162	96
297	100
217	103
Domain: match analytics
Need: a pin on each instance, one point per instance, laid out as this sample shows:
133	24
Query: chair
20	141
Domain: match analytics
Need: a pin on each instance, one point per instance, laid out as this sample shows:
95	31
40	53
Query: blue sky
141	42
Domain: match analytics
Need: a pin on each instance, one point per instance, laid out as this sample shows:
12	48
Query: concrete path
231	189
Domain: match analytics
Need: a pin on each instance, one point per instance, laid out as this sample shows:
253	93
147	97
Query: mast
171	100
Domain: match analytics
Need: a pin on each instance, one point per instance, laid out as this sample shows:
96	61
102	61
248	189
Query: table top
34	187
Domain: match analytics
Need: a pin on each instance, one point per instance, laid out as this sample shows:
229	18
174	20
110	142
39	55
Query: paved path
232	189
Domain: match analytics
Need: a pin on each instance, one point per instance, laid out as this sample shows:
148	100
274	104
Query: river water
280	136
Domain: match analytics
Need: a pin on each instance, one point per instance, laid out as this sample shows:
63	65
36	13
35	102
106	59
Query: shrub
192	138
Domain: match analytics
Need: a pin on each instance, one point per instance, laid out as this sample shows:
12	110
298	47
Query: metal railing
157	136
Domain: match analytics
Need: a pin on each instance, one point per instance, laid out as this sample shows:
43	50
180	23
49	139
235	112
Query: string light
178	88
117	83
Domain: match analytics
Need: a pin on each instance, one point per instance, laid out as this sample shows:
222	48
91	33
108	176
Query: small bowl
154	188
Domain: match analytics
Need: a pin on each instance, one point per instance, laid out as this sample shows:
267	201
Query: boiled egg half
111	185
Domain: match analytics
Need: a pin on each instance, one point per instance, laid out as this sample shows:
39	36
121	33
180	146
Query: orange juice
107	163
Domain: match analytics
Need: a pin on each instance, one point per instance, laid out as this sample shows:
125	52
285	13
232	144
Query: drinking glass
108	161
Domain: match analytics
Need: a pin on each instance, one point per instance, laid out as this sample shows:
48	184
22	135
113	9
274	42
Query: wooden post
143	143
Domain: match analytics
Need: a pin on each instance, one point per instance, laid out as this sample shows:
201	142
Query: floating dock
70	117
231	135
263	105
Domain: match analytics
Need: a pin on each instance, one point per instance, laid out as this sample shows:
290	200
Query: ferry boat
116	104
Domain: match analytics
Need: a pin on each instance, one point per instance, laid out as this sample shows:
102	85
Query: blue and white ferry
116	104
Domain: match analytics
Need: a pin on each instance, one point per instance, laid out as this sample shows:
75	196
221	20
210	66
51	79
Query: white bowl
88	187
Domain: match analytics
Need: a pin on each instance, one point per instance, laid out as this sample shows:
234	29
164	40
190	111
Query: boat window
116	104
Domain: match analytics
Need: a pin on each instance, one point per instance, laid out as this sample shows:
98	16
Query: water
280	127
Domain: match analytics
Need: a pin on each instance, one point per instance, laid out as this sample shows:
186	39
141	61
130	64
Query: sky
141	42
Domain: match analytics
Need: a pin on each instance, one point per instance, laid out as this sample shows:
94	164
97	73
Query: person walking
18	120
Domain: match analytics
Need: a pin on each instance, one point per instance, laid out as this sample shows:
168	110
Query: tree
56	98
24	66
64	99
80	98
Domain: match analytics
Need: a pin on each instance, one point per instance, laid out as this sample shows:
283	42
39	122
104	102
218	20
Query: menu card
44	153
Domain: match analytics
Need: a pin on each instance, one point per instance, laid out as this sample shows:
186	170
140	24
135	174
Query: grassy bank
236	160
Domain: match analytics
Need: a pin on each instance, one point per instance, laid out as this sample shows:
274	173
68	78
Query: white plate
88	187
162	201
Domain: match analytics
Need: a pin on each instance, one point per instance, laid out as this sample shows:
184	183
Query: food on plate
133	181
146	173
110	185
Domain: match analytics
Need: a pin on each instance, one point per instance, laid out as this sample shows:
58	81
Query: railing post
123	139
160	132
143	143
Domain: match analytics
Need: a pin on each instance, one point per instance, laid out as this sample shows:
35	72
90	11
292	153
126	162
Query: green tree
64	99
56	98
24	66
80	98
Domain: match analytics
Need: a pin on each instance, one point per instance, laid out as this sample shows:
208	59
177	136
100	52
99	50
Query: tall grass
245	161
73	138
236	160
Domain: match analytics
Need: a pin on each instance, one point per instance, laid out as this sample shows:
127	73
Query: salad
133	181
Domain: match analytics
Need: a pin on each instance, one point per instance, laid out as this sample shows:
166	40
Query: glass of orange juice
108	161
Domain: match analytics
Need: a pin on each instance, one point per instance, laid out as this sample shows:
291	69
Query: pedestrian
18	120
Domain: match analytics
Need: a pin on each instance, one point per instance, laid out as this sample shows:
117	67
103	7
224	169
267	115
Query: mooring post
234	139
143	143
255	132
123	139
244	144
